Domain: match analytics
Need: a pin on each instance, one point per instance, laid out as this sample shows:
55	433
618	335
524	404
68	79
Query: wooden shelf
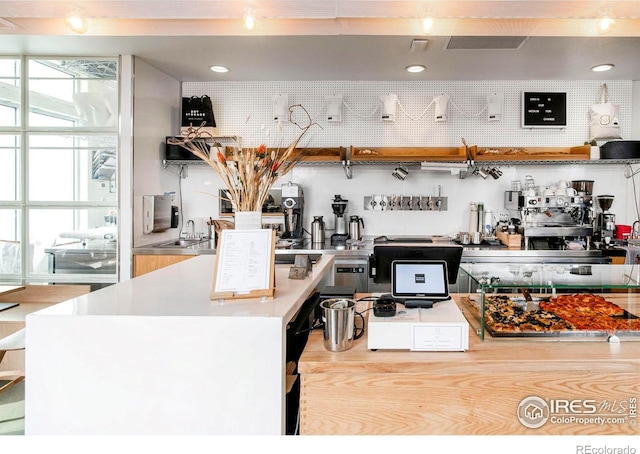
409	154
310	155
494	154
337	154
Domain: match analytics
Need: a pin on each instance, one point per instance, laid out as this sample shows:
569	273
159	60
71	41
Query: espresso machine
605	222
339	207
553	215
292	207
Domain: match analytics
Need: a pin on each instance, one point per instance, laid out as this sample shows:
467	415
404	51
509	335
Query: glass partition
567	301
73	93
84	167
10	245
9	167
9	92
58	169
77	242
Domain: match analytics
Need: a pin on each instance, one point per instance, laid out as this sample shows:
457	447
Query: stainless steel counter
471	253
351	263
83	257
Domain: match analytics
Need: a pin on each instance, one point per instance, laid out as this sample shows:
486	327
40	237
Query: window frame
24	131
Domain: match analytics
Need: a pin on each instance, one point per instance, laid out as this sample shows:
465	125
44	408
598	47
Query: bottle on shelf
473	217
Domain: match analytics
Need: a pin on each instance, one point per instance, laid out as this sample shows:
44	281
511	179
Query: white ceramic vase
248	220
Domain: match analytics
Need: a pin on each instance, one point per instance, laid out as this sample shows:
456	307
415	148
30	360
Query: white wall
157	101
635	101
244	107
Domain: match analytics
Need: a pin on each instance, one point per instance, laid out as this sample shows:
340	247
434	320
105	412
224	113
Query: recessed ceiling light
219	69
600	68
415	68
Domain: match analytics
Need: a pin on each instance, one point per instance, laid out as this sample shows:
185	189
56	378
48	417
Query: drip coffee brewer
292	206
339	207
605	221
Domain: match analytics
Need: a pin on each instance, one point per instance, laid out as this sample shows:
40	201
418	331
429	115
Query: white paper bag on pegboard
604	122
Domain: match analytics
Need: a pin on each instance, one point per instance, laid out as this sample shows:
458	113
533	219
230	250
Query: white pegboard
245	108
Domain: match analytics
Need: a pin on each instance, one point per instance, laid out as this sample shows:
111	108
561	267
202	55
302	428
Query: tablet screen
417	279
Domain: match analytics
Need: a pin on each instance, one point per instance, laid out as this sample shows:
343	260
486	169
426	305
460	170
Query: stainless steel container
317	230
355	232
338	315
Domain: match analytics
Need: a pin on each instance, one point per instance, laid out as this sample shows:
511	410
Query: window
58	170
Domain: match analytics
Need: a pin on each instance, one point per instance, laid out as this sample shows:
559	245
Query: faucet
191	225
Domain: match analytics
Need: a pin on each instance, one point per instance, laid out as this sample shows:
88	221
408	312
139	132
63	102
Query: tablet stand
421	303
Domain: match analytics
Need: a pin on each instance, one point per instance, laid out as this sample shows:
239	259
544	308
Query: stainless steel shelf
417	163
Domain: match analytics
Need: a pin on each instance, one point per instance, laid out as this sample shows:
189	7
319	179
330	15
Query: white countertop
183	290
155	356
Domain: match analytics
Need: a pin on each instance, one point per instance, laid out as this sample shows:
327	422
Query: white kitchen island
153	355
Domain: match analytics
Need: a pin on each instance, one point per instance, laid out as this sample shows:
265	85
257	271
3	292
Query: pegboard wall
246	109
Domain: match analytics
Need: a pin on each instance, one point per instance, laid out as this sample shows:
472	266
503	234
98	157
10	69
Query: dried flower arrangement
247	173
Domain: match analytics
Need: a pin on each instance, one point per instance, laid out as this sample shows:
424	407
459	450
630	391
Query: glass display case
552	301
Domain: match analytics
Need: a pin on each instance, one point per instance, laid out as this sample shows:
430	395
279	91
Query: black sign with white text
544	110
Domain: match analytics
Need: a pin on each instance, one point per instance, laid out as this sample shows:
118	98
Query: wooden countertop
491	355
487	390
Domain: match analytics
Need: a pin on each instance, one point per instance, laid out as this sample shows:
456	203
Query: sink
180	243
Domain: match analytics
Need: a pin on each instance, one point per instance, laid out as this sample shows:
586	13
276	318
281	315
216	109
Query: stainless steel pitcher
355	232
317	230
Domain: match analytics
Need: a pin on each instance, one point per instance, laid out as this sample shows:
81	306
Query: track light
249	18
76	22
605	22
427	24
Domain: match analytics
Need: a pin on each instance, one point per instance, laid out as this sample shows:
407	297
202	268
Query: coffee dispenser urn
339	207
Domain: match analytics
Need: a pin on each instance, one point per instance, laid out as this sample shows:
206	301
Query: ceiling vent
485	42
419	45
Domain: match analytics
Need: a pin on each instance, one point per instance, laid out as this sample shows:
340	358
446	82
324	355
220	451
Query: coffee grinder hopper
604	202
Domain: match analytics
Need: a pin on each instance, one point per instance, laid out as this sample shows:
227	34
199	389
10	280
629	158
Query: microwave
173	152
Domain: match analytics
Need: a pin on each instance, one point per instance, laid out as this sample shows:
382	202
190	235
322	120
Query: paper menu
245	262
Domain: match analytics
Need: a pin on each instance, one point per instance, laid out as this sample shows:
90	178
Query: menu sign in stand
245	265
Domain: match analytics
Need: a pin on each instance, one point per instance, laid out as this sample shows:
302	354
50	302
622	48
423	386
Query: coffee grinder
339	207
292	206
605	221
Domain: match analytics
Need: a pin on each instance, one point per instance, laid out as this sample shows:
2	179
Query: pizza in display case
574	300
563	315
